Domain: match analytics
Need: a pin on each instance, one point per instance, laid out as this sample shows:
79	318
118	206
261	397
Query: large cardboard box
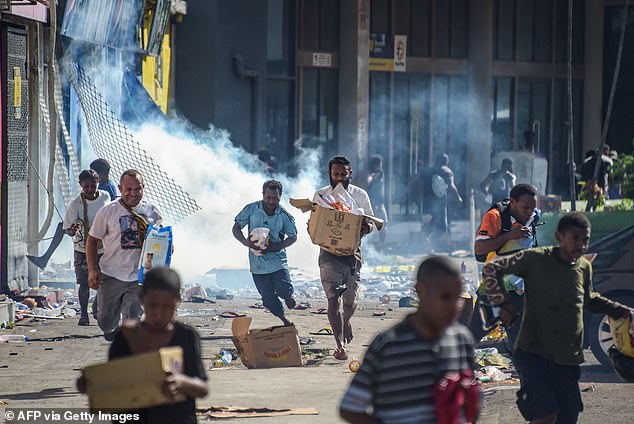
132	382
334	231
271	347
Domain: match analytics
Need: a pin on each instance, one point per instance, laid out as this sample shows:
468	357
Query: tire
599	336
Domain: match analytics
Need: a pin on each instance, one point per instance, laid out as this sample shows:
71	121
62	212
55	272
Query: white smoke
223	179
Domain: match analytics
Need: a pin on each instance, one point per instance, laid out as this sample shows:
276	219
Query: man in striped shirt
402	366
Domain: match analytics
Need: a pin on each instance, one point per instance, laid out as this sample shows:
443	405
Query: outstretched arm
596	304
493	274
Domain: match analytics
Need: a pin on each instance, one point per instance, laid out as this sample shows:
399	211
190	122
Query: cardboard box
334	231
271	347
7	314
132	382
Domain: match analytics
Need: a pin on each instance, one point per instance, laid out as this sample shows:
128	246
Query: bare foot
347	333
341	354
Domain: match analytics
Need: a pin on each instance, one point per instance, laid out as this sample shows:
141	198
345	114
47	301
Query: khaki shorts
337	275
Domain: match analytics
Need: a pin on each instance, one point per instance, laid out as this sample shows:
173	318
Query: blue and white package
157	250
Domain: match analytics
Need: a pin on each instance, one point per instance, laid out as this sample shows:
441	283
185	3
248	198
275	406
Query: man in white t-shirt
121	227
77	221
340	275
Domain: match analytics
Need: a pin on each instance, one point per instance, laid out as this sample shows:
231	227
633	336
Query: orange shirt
491	227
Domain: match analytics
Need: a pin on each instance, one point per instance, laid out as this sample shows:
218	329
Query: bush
623	172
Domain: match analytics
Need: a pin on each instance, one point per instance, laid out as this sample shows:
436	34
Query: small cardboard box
334	231
271	347
132	382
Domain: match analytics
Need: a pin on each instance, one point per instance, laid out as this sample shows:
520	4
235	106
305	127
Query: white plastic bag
259	236
156	251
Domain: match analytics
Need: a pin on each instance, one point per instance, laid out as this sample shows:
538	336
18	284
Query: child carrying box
160	296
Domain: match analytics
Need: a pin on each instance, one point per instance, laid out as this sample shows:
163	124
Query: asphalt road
42	372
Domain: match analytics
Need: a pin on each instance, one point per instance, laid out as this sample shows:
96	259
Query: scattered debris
491	356
307	341
326	331
493	374
231	314
235	412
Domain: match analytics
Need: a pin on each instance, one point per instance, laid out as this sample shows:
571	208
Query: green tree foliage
624	174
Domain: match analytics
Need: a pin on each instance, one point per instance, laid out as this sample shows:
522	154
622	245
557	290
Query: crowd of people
420	370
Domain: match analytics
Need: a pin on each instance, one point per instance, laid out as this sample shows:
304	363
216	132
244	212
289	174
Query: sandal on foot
340	354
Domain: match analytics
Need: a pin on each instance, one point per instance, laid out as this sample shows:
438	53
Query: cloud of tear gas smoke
223	179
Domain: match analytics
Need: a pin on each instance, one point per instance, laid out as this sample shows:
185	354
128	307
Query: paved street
42	372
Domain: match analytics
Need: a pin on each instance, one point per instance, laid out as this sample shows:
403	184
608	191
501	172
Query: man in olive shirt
549	348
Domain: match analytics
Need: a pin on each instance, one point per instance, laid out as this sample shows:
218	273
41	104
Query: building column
593	82
479	141
34	141
354	82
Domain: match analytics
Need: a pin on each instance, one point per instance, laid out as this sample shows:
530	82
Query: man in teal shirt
270	267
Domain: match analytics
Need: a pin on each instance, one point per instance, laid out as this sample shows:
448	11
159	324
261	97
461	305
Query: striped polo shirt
395	382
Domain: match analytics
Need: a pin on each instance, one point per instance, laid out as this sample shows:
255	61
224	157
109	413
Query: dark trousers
547	388
273	287
81	274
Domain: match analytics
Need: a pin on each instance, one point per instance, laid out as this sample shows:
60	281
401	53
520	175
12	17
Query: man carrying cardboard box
269	265
340	275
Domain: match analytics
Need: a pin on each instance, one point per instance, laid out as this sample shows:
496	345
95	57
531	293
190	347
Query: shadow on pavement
55	392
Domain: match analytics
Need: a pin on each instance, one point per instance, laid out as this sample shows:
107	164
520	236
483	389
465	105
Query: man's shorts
547	388
337	275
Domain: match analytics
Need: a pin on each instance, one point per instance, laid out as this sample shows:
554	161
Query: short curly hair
88	175
573	219
272	185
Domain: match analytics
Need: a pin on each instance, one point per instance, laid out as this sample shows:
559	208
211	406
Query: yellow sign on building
379	64
156	70
17	92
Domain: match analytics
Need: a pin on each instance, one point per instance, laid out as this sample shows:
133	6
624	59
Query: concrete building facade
407	79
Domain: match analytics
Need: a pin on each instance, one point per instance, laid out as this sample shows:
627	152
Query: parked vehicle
613	277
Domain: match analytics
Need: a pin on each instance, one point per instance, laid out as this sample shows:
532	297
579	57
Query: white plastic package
156	251
260	237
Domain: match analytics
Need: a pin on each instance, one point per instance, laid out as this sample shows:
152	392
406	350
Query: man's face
522	209
89	188
159	307
131	189
271	200
340	174
440	299
573	242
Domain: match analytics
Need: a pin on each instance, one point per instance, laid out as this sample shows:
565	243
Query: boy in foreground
549	348
406	365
